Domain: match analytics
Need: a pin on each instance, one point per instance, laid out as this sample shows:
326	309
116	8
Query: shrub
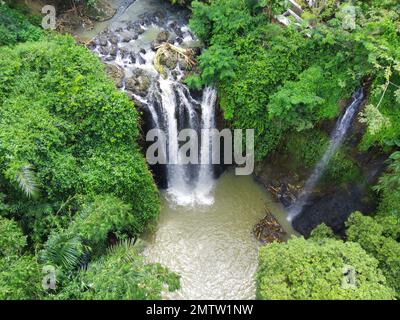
14	27
121	274
12	240
316	269
20	278
375	239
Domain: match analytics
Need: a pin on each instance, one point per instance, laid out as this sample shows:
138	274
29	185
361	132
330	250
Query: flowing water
127	43
205	227
213	248
337	137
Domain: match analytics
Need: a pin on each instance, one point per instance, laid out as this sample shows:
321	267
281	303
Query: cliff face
331	203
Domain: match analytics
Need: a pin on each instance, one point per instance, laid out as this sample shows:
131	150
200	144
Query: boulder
140	59
114	51
162	37
100	10
169	59
114	39
116	73
104	50
139	82
102	40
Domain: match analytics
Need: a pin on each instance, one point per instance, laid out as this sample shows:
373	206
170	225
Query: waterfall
188	184
167	103
336	140
204	187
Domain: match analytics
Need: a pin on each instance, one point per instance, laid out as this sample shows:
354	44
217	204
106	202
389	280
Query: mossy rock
101	10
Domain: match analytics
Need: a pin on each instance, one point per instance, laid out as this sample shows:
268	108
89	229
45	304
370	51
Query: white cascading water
181	189
172	108
204	187
336	140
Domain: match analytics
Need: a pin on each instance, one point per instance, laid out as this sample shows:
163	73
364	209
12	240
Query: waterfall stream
336	140
170	104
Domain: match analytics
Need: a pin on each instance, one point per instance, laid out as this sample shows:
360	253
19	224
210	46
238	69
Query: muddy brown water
212	247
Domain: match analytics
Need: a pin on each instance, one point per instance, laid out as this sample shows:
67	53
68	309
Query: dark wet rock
179	40
162	37
133	58
125	52
101	10
116	73
139	82
104	50
142	51
169	59
283	184
102	40
178	32
134	26
175	74
114	39
140	59
114	51
92	45
183	64
196	50
333	209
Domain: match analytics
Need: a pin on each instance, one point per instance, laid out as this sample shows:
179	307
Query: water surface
212	247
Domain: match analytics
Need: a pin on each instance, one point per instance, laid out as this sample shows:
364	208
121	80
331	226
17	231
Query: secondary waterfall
167	103
336	140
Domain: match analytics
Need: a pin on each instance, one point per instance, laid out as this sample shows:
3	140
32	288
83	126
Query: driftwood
285	193
268	229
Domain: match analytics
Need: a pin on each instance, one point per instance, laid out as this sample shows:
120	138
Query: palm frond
126	249
27	181
64	251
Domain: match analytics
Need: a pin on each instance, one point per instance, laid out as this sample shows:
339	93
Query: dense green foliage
14	27
389	187
72	175
285	81
75	188
121	274
378	238
64	119
316	269
279	79
20	276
